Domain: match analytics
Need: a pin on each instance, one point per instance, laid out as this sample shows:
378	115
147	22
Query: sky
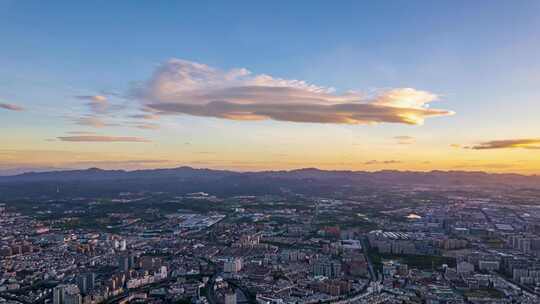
270	85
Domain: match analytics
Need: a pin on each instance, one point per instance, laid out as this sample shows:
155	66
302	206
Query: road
366	248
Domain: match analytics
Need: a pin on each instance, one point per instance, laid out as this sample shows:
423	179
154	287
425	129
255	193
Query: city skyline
357	86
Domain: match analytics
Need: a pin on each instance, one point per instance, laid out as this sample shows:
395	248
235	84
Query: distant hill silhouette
97	182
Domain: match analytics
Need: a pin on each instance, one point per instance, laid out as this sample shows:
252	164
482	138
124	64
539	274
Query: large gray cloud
184	87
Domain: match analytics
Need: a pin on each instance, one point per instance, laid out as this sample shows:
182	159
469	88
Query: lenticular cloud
185	87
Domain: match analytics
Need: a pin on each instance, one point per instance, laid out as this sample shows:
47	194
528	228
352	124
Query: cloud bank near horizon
185	87
523	143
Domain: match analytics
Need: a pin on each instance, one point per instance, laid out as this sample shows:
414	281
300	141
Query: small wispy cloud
93	121
405	139
102	138
523	143
147	126
81	132
204	152
11	107
383	162
97	103
97	98
147	116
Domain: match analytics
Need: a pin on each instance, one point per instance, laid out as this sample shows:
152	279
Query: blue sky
480	57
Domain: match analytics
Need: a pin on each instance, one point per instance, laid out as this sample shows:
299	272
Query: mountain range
95	182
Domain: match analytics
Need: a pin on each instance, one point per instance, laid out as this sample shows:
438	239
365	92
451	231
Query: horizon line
52	170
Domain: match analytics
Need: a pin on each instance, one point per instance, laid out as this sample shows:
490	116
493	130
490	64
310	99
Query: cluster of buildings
273	249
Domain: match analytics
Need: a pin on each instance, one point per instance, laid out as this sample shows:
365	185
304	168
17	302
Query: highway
374	275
